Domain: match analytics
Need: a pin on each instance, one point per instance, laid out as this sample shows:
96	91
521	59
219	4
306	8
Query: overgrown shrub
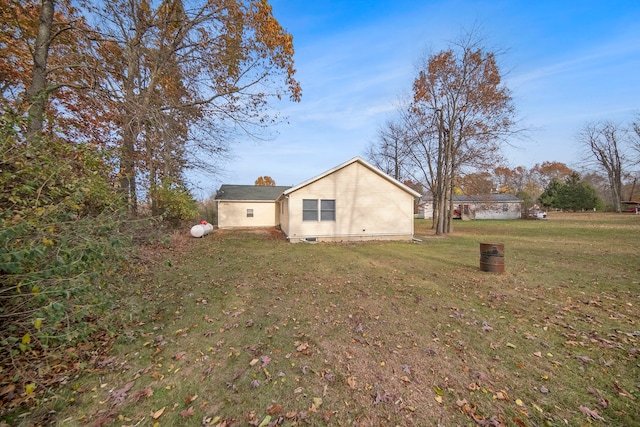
173	201
60	242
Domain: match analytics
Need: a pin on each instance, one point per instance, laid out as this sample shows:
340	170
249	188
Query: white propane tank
202	229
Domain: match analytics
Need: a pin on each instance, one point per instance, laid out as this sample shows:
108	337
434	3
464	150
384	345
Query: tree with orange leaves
166	85
187	77
44	70
463	109
265	181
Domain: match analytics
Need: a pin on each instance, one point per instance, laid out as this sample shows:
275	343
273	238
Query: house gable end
346	164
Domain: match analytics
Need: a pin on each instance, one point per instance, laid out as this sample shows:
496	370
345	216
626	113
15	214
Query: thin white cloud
605	56
354	64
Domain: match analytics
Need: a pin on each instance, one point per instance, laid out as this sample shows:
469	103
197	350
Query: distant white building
486	206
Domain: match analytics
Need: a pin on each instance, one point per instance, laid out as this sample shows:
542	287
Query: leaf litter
313	357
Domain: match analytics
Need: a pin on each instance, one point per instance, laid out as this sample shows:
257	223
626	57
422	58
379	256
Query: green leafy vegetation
63	242
243	328
573	194
173	201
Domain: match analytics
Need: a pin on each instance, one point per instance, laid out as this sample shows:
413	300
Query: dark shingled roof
250	192
481	198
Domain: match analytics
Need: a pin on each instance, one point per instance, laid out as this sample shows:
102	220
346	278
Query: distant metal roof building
250	192
480	198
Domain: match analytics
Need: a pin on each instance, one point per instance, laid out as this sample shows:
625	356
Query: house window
314	210
505	207
249	213
309	210
327	210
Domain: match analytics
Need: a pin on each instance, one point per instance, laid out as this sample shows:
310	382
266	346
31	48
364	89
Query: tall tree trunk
131	122
127	163
154	185
439	197
37	91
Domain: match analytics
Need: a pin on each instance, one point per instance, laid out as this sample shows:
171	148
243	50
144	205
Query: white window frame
317	210
327	213
310	210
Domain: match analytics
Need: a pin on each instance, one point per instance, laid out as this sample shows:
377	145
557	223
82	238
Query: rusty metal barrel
492	257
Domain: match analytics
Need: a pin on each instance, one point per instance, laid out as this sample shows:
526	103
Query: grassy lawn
243	328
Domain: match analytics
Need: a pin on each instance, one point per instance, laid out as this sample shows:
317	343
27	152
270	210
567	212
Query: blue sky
566	63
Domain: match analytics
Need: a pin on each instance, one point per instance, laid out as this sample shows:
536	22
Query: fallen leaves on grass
603	402
302	348
519	422
189	399
584	359
265	361
157	414
622	392
145	392
188	412
590	413
274	409
118	396
384	397
352	383
470	411
486	327
501	395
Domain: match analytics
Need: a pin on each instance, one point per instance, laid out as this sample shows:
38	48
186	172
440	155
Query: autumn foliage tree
463	110
265	181
544	172
44	69
165	86
477	183
184	76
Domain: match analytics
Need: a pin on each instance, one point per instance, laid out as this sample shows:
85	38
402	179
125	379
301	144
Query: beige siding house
353	201
248	206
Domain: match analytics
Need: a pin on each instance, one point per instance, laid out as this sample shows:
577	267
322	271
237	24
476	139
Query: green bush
573	194
173	201
60	240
